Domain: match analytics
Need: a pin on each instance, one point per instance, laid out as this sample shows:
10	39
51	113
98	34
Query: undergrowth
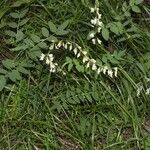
74	74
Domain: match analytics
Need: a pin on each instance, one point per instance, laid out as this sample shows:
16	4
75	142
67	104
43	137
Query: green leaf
19	36
10	33
114	28
68	60
18	48
3	11
3	71
15	15
105	33
127	14
136	9
23	13
131	2
64	25
35	52
35	38
20	2
52	26
43	45
45	32
139	2
52	39
24	21
62	32
8	63
22	70
29	42
2	82
89	35
14	75
124	7
120	27
70	67
12	24
80	68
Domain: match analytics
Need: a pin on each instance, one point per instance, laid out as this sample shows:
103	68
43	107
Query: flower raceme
49	61
79	53
97	24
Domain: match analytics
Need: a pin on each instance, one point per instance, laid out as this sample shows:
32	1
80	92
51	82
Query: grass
43	111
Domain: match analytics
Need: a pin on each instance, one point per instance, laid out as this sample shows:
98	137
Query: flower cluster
88	62
98	69
97	24
49	61
75	48
147	91
140	88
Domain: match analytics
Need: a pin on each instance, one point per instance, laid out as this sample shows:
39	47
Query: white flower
70	47
59	44
92	34
139	90
51	47
94	41
99	29
97	10
66	46
92	10
79	47
99	16
63	44
99	70
93	61
99	41
110	73
99	23
51	58
85	58
116	71
42	56
94	21
88	65
78	55
94	67
105	68
75	51
84	52
147	91
47	61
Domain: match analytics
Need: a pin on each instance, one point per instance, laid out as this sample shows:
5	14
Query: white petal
99	70
94	67
92	35
99	41
116	71
75	51
70	47
78	55
85	58
59	44
105	68
110	73
88	65
42	56
93	61
84	52
47	61
147	91
51	47
66	46
94	41
92	9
